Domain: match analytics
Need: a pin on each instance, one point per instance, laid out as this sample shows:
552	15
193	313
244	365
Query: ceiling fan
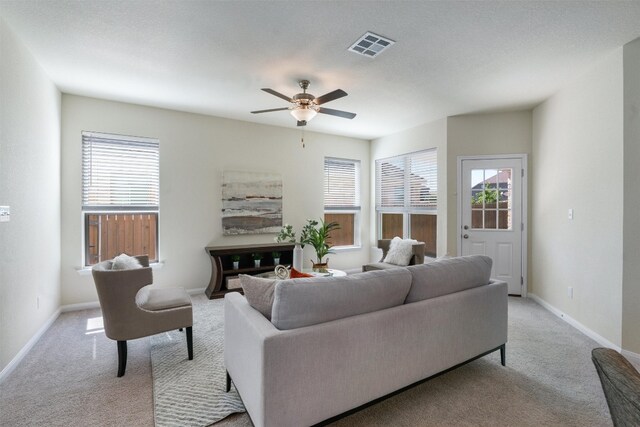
306	106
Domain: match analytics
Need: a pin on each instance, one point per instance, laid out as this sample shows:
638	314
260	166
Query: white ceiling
213	57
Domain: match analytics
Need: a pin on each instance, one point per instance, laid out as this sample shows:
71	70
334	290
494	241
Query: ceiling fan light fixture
303	113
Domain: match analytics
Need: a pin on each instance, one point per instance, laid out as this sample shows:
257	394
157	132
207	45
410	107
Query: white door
491	216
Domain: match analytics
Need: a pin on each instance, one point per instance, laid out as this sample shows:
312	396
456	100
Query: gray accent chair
416	259
621	386
133	308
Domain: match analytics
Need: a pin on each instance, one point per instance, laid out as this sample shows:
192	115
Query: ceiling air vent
371	45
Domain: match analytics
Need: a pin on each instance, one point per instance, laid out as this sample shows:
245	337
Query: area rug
191	393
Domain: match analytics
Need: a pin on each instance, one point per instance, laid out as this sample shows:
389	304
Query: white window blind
120	173
341	184
408	181
423	179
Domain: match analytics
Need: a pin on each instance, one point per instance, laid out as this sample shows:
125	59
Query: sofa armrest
384	244
418	254
245	332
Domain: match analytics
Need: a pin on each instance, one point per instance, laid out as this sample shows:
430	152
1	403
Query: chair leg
190	342
122	357
228	387
503	354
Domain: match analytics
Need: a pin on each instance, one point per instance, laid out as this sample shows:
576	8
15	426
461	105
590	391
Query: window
407	197
491	199
120	196
342	200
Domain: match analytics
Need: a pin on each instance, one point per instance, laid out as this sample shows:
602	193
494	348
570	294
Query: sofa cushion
304	302
153	298
400	251
258	292
446	276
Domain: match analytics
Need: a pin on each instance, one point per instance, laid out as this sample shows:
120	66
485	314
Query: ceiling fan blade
338	93
268	111
343	114
302	122
278	94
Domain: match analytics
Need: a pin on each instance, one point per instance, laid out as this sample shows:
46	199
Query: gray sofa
335	344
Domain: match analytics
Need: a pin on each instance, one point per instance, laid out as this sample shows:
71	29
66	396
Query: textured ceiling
213	57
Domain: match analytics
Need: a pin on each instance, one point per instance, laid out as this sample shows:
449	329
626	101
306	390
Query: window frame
356	210
406	209
123	209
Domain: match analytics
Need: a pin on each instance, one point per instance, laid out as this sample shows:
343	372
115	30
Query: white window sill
86	271
346	248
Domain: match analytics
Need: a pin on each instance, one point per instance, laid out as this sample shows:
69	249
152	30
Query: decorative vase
276	261
236	265
256	262
297	257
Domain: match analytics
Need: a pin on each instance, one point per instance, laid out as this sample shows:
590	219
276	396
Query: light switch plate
570	215
5	213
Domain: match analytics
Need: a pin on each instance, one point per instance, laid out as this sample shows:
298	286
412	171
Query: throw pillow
400	251
259	293
295	274
125	262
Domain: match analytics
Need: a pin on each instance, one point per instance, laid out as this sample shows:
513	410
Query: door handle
466	236
466	227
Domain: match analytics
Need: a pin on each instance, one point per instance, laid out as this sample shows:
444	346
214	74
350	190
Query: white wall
194	151
423	137
30	185
481	134
578	158
631	267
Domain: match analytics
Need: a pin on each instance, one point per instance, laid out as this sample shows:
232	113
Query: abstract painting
251	203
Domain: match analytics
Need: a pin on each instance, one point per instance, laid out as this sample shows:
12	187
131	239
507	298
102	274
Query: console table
222	271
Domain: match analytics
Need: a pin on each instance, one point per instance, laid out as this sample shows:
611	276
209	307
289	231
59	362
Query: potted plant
256	259
276	257
317	234
236	261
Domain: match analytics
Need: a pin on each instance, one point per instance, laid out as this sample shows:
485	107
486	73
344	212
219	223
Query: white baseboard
28	346
634	358
573	322
80	306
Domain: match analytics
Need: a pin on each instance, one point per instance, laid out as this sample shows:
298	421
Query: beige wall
481	134
426	136
194	151
631	236
30	185
578	152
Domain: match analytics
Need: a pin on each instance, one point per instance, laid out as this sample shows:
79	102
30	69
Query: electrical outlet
570	292
570	213
5	213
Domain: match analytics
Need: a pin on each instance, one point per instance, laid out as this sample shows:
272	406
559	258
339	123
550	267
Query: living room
582	127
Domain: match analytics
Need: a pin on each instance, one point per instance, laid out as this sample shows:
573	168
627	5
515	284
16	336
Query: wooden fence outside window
110	234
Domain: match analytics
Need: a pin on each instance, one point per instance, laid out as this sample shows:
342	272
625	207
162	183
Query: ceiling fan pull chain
302	138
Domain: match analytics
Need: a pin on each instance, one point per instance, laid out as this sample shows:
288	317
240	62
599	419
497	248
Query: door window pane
491	199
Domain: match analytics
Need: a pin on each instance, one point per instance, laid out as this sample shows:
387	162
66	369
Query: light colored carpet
186	392
68	379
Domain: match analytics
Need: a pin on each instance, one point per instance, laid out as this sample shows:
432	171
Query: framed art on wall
251	203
